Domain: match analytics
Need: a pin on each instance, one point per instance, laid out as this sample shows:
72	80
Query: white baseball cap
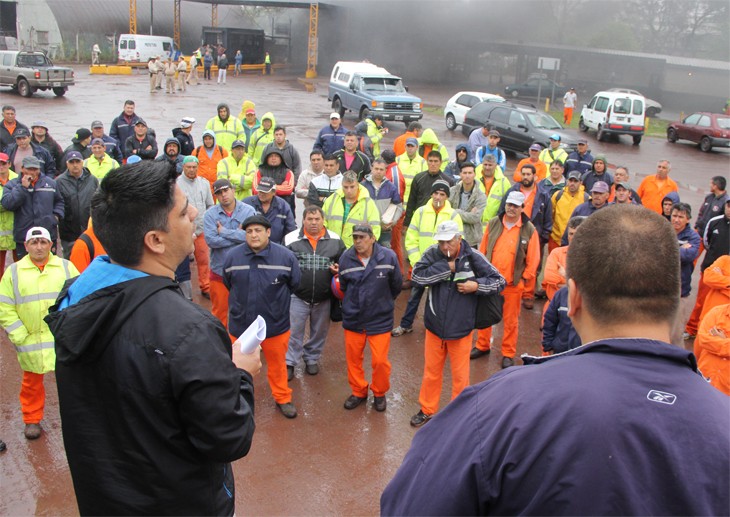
516	198
446	231
38	232
334	115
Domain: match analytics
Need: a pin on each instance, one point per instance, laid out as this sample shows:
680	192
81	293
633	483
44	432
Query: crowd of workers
376	220
353	193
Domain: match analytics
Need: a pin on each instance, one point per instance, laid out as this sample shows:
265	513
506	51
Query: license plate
399	117
56	84
621	118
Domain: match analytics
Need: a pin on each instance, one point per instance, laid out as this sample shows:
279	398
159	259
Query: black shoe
289	372
312	369
380	404
528	303
352	401
2	446
419	419
507	362
540	294
476	353
288	410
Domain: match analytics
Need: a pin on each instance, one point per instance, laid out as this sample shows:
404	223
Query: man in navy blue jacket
261	277
611	427
689	249
371	279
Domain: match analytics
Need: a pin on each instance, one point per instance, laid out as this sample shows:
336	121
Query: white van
139	48
614	113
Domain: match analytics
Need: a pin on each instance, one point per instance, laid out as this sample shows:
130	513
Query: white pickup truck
29	72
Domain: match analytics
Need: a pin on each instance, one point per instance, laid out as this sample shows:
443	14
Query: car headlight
377	105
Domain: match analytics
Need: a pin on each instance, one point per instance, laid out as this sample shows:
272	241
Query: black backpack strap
89	244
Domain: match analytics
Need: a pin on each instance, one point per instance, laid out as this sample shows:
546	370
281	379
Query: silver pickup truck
29	72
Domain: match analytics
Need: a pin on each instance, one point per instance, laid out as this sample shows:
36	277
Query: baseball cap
583	141
363	229
97	123
21	132
446	231
140	121
221	184
535	147
4	157
187	122
515	198
133	159
266	185
97	141
250	111
493	132
555	136
624	184
440	185
412	141
190	159
74	155
37	232
31	162
238	143
334	115
600	186
574	175
256	219
81	134
39	123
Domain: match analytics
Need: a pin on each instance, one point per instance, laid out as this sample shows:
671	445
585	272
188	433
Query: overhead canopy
301	4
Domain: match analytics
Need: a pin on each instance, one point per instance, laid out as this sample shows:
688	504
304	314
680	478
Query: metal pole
78	55
152	14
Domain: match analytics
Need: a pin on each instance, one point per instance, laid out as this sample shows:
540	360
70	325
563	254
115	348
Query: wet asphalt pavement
328	460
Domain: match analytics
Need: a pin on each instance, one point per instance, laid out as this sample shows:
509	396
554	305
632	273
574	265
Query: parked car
614	113
365	89
707	129
529	88
28	72
459	104
519	126
653	108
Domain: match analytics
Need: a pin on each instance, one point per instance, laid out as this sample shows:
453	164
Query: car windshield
723	122
543	121
383	84
31	60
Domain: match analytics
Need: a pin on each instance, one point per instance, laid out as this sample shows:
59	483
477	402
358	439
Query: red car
707	129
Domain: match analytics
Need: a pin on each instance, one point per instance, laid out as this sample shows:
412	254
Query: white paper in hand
253	336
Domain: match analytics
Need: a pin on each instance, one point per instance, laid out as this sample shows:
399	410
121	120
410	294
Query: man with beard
538	208
227	129
172	154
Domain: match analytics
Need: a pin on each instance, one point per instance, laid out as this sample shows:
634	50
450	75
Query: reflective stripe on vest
35	347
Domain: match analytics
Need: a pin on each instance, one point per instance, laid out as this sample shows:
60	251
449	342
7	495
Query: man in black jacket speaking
153	409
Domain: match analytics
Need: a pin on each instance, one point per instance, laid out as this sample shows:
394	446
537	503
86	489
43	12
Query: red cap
4	157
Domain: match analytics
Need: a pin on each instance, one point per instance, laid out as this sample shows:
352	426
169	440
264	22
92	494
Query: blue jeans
414	301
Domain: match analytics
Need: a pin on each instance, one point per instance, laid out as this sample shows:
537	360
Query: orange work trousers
567	116
396	242
202	260
32	397
275	348
219	300
435	352
694	319
355	354
510	322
